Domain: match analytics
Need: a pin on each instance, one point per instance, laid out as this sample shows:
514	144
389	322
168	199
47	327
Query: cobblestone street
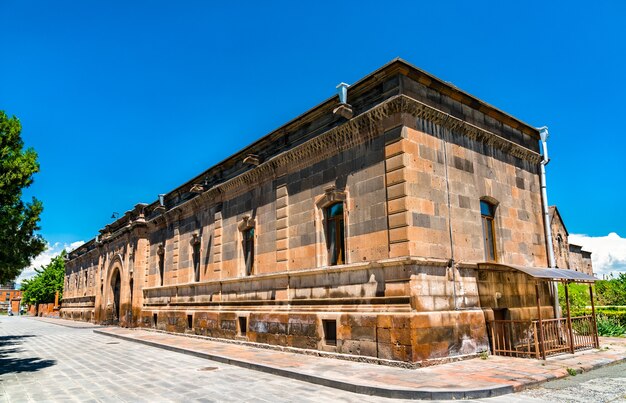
606	384
40	362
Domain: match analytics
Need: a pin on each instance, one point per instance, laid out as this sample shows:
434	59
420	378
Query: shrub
578	296
610	326
618	315
612	291
584	327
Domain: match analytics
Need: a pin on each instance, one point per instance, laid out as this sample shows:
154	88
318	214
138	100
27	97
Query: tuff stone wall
359	172
515	294
412	337
579	259
410	167
566	254
6	296
446	177
560	239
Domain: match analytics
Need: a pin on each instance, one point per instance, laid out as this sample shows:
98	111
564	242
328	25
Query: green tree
19	220
578	296
613	291
49	279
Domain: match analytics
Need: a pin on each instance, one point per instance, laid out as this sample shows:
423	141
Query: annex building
567	255
385	223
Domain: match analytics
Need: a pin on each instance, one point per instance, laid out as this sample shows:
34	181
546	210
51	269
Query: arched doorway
115	285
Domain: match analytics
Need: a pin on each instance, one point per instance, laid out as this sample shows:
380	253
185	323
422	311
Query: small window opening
154	319
487	212
189	321
335	239
248	250
559	240
330	331
243	325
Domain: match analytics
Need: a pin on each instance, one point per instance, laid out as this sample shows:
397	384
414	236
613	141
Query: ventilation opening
189	321
154	319
243	325
330	331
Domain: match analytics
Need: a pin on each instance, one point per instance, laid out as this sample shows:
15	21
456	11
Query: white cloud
608	253
44	259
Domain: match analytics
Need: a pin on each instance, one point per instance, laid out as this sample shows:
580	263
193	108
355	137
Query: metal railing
514	338
534	338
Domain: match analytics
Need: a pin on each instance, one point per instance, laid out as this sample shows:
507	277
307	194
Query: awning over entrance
542	337
544	273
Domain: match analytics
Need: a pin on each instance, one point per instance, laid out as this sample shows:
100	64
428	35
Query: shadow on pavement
8	364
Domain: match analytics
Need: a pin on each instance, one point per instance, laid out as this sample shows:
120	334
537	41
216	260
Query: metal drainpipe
543	132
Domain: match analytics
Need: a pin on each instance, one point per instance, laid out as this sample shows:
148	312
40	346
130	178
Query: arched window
335	234
559	243
487	213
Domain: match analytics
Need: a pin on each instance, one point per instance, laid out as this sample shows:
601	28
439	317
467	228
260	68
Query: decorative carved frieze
357	130
363	128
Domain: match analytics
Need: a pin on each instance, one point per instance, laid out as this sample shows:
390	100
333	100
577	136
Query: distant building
8	296
567	255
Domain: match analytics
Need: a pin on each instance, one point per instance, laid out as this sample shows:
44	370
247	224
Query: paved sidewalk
468	379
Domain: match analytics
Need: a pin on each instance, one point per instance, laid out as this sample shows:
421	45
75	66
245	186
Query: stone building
373	225
8	297
567	255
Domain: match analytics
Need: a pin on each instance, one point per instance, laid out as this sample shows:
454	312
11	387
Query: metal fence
534	338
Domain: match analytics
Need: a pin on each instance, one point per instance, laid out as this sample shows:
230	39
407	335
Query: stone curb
422	394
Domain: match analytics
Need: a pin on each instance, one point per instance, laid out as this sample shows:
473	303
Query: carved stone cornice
357	130
360	129
426	112
173	215
363	128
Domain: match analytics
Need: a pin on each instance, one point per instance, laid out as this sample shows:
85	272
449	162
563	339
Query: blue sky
126	100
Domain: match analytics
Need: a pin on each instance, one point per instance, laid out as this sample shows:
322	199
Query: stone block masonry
359	236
